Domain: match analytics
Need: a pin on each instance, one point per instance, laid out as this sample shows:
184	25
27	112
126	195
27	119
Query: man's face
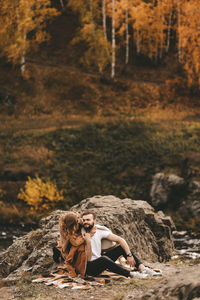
88	222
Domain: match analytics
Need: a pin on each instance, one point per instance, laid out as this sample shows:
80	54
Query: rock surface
174	191
165	187
194	197
147	232
179	281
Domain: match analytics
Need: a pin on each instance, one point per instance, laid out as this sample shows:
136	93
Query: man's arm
115	238
87	239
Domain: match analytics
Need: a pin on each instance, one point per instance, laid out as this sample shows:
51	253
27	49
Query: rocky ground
180	280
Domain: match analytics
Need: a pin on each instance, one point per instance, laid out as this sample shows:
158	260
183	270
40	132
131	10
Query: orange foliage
190	40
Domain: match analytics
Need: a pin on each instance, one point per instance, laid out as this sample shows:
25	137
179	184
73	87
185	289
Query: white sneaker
151	272
136	274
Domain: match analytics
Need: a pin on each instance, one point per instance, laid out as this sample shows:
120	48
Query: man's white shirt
96	242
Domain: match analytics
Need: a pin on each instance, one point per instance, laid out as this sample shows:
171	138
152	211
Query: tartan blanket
59	278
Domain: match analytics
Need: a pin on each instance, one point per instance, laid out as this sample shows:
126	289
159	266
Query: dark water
187	245
9	233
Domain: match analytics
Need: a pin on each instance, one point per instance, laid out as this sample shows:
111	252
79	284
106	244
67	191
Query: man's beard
89	227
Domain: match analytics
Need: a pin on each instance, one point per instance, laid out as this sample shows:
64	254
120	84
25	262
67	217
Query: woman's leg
57	257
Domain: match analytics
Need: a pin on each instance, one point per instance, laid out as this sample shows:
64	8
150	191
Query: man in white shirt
97	263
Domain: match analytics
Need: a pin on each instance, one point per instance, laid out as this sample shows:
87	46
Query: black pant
107	262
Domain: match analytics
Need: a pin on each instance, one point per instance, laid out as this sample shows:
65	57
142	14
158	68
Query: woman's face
80	220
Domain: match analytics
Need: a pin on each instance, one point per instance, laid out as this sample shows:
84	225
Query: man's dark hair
89	212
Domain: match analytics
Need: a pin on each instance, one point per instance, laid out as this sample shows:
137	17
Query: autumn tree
171	9
150	22
122	24
22	27
118	14
113	40
106	24
92	32
105	28
179	29
127	30
189	30
103	4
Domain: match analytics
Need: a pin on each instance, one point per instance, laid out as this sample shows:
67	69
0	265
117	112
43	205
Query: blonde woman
72	245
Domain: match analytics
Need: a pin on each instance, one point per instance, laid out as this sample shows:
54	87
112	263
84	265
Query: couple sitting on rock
88	248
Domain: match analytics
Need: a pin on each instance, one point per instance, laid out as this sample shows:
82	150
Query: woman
72	245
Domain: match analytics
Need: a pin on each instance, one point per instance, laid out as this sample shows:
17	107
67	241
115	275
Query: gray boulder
149	234
171	190
194	198
165	188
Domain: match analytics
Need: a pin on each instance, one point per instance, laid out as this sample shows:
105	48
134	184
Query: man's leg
118	251
103	263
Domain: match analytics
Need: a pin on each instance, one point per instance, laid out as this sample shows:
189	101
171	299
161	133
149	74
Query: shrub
39	195
10	213
2	193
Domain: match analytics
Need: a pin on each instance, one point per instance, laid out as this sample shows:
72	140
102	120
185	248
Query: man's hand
86	237
115	238
130	261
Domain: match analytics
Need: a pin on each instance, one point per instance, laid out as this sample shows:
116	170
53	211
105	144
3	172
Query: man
97	263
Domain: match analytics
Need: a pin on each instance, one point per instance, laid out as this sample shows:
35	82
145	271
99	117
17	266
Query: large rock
147	232
166	188
172	190
194	198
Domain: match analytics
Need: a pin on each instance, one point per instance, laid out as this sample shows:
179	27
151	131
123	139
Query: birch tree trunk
161	33
91	9
22	52
169	28
179	30
23	58
62	5
156	52
104	18
127	34
113	41
155	56
138	40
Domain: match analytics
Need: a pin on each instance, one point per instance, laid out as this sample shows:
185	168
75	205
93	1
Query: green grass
114	157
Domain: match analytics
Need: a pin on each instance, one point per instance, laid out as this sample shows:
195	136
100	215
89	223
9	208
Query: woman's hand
86	237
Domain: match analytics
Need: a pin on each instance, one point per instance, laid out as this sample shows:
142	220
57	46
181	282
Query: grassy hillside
116	157
89	134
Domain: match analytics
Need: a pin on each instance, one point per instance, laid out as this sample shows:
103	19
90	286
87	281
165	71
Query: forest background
96	97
